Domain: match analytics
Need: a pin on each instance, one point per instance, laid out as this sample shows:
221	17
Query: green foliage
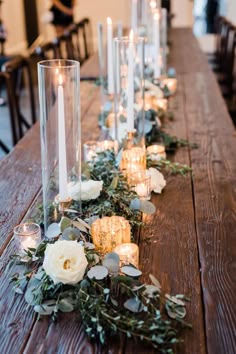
113	305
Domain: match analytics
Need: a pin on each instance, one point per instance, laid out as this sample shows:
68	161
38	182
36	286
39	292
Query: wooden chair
226	77
19	87
50	50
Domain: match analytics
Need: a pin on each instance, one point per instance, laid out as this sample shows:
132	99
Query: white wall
13	18
183	12
231	10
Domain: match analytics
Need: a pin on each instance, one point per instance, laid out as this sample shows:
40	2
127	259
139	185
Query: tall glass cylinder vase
59	97
129	92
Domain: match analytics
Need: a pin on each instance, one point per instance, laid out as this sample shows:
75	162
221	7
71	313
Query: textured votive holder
140	182
109	232
128	253
27	235
133	159
156	152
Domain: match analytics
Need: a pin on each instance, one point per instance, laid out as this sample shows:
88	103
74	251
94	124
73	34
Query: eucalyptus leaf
155	281
46	308
65	223
133	305
70	234
151	291
66	305
98	273
147	207
131	271
135	204
111	265
80	226
175	300
53	230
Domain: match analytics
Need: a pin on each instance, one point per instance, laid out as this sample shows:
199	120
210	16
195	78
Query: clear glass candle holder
140	182
109	232
27	235
129	89
59	98
133	159
128	253
156	152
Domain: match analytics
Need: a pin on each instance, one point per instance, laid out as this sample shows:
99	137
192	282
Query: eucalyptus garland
110	300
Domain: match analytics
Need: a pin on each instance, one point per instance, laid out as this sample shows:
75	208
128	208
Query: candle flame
131	36
109	21
153	4
60	81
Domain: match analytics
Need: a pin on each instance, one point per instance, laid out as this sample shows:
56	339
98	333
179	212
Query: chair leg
4	147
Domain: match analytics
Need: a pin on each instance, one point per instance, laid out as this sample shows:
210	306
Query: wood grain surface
189	244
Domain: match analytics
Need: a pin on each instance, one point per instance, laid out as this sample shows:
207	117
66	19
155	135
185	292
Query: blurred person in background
63	11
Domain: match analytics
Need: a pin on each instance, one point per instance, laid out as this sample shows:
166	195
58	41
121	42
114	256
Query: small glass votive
89	149
140	182
110	232
156	152
171	83
27	235
133	159
128	253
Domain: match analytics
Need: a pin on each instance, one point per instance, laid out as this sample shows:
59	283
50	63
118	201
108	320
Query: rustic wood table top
188	244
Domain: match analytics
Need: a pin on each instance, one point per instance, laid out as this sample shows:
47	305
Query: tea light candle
128	253
140	182
171	83
133	159
109	232
156	152
28	235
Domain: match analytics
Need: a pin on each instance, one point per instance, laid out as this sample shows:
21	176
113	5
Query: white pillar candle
144	12
156	35
164	36
130	93
119	29
134	18
62	163
110	76
100	46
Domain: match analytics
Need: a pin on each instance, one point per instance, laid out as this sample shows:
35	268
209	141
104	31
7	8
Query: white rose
65	262
158	181
86	190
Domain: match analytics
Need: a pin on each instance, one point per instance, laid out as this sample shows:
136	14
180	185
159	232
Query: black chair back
20	95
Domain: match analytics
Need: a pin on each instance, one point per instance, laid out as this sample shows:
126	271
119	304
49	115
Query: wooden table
189	244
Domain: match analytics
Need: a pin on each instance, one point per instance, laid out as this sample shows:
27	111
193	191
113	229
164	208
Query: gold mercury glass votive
128	253
133	159
171	83
156	152
27	235
109	232
140	182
